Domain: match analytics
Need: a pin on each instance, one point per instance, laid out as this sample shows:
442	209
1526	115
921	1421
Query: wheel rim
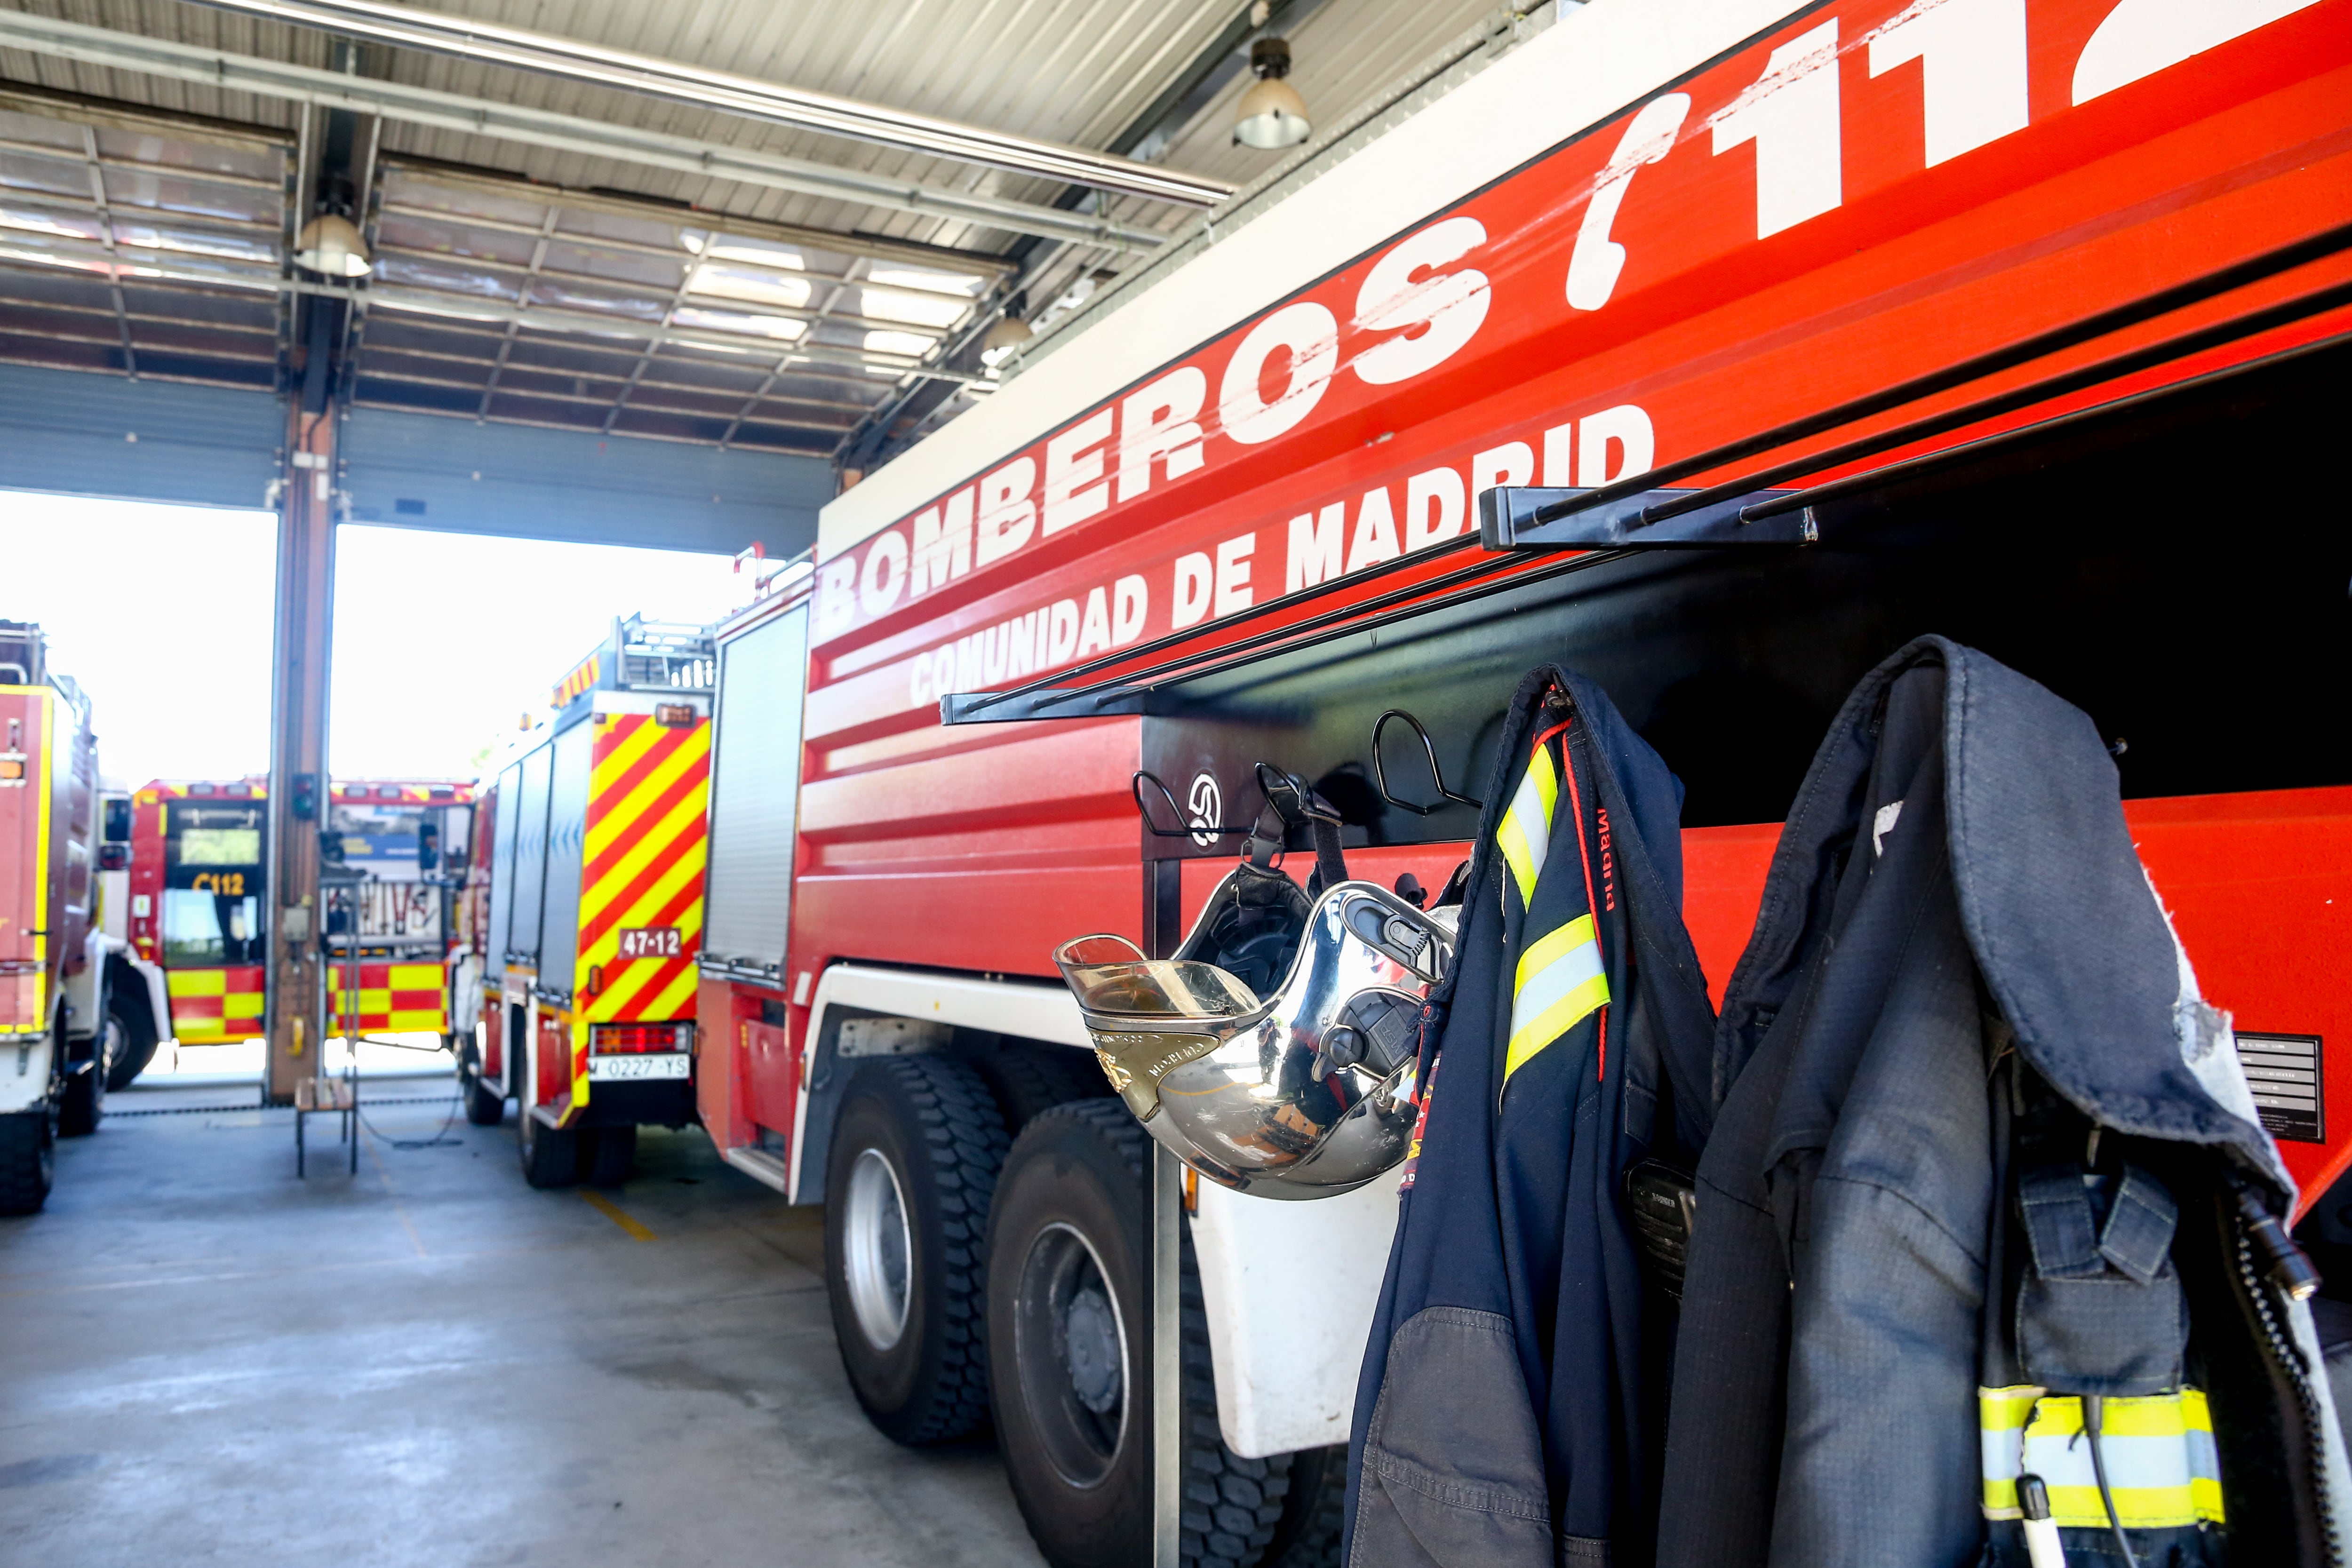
113	1044
877	1251
1070	1341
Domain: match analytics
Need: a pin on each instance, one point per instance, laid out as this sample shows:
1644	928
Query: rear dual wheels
28	1153
563	1157
909	1181
1070	1360
550	1156
486	1102
83	1105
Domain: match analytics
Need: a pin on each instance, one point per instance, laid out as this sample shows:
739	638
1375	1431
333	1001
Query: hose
2094	1408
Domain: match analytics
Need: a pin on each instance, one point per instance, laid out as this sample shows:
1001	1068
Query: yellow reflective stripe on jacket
1560	981
2162	1467
1526	832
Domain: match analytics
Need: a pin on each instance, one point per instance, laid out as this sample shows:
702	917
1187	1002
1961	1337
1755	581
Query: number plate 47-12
650	942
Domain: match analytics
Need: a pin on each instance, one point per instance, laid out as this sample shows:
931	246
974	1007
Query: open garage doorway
445	644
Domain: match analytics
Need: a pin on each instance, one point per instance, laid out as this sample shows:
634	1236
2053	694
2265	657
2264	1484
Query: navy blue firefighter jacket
1511	1401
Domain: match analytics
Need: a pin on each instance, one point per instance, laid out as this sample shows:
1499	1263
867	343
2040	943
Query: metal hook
1205	830
1429	746
1302	803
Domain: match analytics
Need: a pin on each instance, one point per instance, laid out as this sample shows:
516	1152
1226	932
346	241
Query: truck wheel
1070	1353
28	1153
913	1165
136	1045
1315	1512
82	1106
611	1152
486	1102
1028	1079
550	1156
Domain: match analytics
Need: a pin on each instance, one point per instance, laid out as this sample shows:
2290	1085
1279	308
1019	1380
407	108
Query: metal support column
298	750
338	161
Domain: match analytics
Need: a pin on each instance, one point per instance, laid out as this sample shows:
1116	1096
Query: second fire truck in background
594	840
196	877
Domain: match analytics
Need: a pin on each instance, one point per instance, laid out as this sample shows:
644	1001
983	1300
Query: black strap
1330	865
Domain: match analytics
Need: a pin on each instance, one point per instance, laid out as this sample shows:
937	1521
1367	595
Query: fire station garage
1239	784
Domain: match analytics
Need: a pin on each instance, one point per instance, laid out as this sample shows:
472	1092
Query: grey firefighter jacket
1975	1130
1507	1415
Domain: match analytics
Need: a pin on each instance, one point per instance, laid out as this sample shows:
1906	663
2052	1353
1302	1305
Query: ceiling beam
564	132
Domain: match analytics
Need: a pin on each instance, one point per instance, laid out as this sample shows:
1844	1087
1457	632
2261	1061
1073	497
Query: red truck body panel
1831	209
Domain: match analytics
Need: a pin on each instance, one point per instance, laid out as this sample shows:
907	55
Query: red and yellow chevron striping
212	1007
394	998
583	676
648	799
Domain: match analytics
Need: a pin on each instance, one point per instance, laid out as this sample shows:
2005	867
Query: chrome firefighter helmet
1274	1053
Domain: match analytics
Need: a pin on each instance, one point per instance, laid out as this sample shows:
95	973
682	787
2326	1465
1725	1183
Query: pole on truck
1162	909
1167	1355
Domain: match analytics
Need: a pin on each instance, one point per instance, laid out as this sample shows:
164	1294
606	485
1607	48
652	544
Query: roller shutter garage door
78	434
421	470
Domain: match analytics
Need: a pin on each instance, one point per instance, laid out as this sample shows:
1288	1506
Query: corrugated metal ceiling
1078	71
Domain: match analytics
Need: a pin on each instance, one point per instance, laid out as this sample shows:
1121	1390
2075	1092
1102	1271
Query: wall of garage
75	434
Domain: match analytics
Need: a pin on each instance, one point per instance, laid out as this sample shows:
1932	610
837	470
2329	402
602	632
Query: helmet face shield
1300	1090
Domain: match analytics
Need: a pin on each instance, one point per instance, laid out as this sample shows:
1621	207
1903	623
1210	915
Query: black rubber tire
931	1121
28	1154
1028	1079
140	1038
608	1155
550	1156
486	1102
1315	1512
82	1105
1083	1167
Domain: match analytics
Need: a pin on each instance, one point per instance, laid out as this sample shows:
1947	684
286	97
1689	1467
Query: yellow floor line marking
612	1211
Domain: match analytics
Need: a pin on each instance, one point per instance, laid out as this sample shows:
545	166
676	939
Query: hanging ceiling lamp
1272	115
329	244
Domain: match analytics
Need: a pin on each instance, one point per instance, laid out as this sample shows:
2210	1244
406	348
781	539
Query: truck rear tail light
675	716
631	1038
12	769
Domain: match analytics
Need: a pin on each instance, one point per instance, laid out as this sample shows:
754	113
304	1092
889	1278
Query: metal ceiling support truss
563	132
514	327
571	60
554	318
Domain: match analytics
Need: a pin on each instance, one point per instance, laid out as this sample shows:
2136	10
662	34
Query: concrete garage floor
203	1360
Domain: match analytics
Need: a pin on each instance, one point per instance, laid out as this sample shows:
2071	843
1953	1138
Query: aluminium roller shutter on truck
530	856
754	789
567	830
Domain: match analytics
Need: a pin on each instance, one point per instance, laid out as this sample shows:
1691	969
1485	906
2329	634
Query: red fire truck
56	1010
1896	317
409	840
594	842
198	874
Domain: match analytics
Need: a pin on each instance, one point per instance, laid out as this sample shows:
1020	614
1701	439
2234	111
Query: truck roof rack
642	655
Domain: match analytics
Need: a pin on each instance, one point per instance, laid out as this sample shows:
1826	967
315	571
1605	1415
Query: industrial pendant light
1272	115
329	244
1005	336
